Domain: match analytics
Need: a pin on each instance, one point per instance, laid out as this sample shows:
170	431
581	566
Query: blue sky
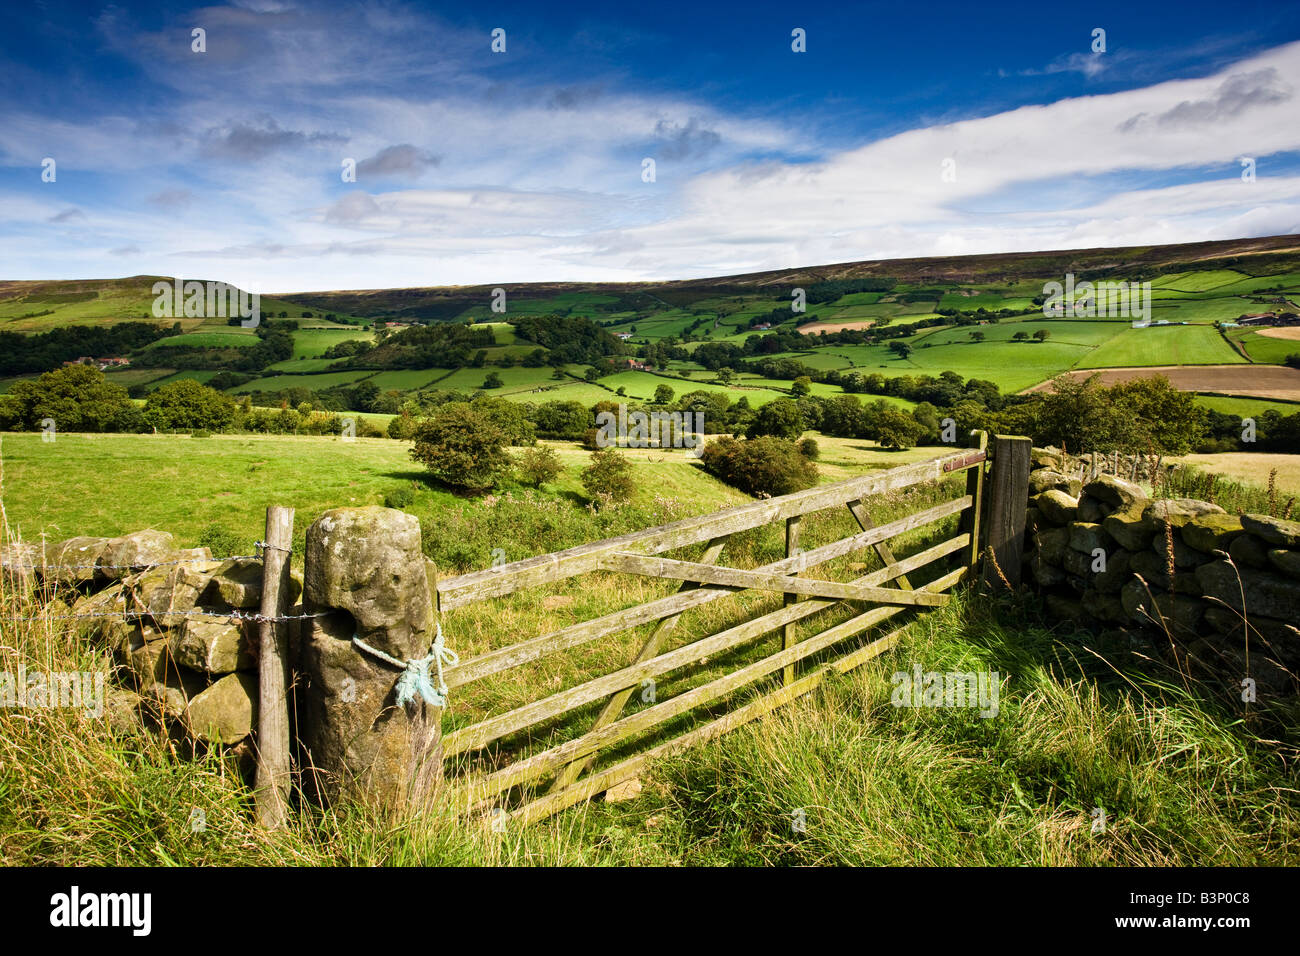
903	130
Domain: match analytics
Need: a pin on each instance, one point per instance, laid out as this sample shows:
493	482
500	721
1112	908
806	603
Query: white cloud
531	187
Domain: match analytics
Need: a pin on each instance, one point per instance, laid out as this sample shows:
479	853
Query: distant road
1253	381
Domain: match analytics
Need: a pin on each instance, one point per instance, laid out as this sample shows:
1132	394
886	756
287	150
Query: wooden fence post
971	520
1008	500
792	527
272	784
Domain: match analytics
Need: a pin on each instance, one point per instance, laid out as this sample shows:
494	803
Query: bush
760	466
201	433
809	449
400	498
402	427
461	447
609	476
538	465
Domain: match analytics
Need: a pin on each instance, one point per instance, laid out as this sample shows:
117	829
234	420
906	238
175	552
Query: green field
1265	348
1246	406
1164	345
181	484
232	337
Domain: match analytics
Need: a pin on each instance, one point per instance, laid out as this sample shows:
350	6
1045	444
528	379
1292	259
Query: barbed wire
229	615
121	567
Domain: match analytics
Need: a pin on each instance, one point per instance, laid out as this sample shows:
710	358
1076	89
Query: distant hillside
1260	256
30	306
38	306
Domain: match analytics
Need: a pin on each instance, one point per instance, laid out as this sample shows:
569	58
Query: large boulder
1177	512
72	563
170	593
1045	479
1056	506
1212	532
1105	605
1045	575
365	572
1046	458
1265	593
1128	527
1052	544
212	646
1115	492
134	552
1087	538
1278	532
226	711
1249	552
1288	562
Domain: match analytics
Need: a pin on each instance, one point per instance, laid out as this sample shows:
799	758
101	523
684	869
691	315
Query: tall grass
1182	775
1234	497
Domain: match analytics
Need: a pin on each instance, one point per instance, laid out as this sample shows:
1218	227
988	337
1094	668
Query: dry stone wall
176	622
1222	590
182	629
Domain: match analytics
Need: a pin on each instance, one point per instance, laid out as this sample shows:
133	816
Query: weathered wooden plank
599	782
886	554
482	788
1007	500
792	528
614	706
494	728
548	568
273	780
583	632
735	577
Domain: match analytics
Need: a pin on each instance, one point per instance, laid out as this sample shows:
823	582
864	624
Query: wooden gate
558	761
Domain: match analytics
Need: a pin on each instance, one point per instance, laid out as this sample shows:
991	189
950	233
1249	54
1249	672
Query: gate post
1008	498
371	708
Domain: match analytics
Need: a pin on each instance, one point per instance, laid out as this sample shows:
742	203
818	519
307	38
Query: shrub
809	449
759	466
402	427
461	447
538	465
201	433
400	498
609	476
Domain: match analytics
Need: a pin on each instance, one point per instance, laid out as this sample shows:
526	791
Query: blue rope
415	680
